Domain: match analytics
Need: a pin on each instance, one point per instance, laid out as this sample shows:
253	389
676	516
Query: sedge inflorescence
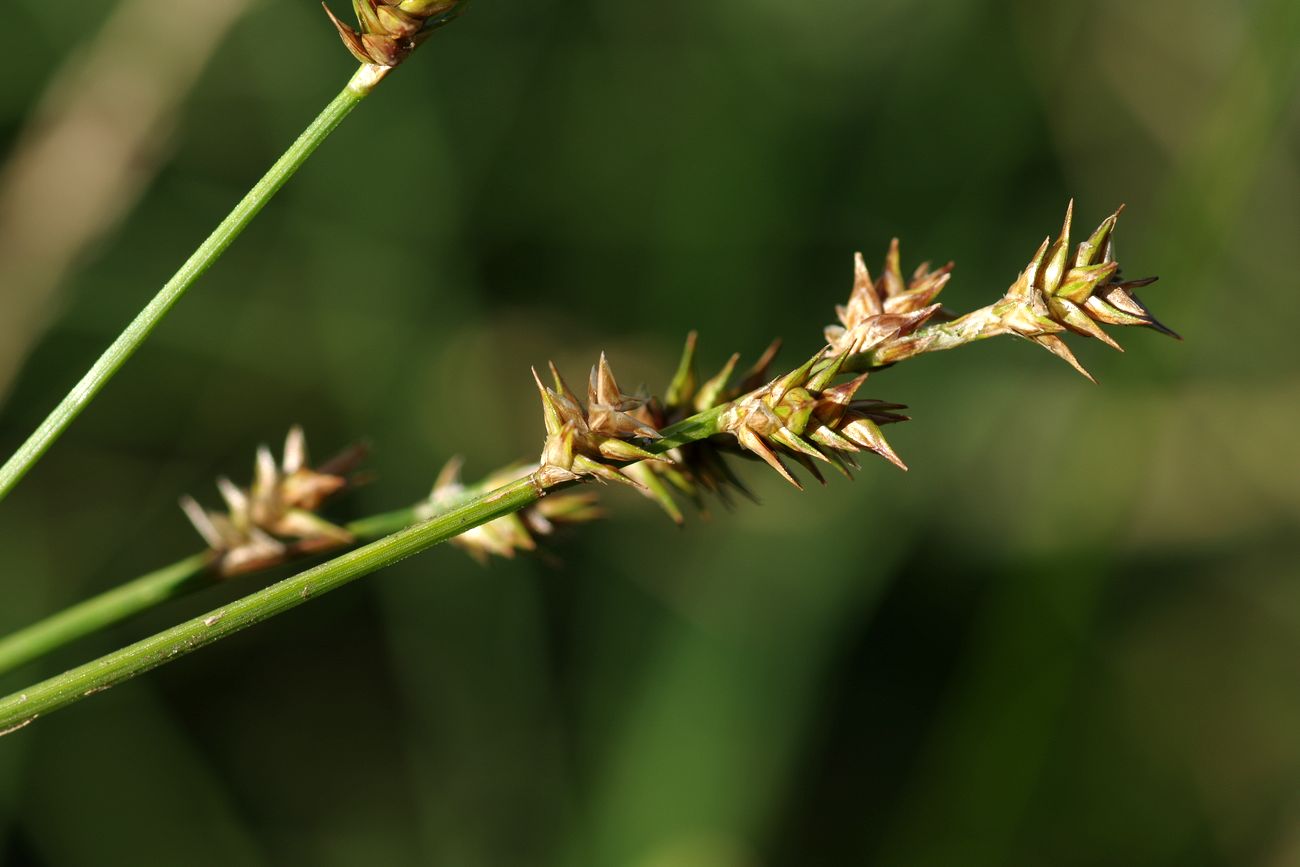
1058	292
276	517
391	29
811	416
680	444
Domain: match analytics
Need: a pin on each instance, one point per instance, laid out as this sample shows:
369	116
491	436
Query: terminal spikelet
1059	291
391	29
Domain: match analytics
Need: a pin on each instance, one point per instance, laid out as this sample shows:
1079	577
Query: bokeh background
1069	635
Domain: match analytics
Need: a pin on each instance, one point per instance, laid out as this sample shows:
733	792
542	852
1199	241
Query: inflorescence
678	445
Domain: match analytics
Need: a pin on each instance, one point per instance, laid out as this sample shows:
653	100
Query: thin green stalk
140	594
21	708
208	252
104	610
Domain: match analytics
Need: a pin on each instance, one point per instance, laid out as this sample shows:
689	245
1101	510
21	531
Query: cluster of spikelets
276	517
391	29
809	417
799	416
804	417
886	319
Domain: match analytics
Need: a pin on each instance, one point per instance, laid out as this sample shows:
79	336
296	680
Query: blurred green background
1069	635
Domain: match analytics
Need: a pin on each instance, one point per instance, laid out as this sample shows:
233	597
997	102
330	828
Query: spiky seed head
390	31
798	417
886	308
610	412
275	517
595	441
1058	292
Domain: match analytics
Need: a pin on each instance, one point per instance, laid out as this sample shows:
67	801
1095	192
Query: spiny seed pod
392	29
510	533
274	518
805	418
799	415
885	308
1058	291
595	441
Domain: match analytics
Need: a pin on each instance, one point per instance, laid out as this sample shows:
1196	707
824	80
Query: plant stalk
22	708
199	261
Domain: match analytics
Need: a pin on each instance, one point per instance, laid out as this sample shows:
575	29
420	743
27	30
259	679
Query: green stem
103	610
21	708
700	426
140	594
169	582
208	252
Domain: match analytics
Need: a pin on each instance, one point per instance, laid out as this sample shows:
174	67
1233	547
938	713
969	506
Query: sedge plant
677	445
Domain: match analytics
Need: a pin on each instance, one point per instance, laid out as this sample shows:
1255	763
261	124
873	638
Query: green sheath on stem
208	252
20	709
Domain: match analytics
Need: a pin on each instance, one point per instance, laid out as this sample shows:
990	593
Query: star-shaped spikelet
1079	292
276	516
392	29
598	440
888	307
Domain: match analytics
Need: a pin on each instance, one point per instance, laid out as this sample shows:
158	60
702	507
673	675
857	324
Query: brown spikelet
1081	292
276	516
598	440
391	29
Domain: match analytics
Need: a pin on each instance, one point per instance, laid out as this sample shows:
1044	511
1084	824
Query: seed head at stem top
391	29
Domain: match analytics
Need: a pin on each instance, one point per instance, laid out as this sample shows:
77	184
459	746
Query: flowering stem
194	572
140	594
202	258
21	708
